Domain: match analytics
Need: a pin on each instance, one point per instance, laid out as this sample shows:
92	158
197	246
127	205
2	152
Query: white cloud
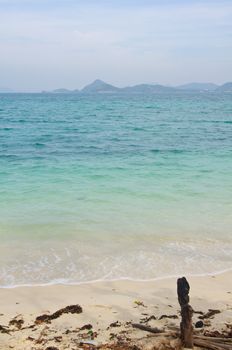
123	45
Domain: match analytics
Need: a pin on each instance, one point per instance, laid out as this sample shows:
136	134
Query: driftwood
186	327
211	344
211	340
214	339
147	328
189	338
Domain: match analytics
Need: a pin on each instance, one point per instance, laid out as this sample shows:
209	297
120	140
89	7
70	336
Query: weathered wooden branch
147	328
186	327
214	339
211	344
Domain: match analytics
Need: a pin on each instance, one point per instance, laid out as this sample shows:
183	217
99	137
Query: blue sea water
114	186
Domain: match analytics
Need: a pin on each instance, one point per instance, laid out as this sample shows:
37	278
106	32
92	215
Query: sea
110	186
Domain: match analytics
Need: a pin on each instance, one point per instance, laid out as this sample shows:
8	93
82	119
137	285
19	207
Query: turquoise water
110	186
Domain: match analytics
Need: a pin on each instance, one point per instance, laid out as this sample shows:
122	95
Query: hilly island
100	87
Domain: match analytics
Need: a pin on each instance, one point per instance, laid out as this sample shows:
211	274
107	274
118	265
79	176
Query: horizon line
12	90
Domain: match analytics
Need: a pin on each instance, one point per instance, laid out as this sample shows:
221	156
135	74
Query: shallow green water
109	186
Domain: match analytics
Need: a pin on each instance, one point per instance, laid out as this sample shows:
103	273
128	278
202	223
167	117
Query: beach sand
109	307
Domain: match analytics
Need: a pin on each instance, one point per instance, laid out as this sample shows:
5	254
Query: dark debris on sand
166	338
73	309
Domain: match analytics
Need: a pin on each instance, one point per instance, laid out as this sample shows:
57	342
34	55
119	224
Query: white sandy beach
104	303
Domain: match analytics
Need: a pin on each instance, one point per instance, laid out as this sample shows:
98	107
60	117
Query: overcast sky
47	44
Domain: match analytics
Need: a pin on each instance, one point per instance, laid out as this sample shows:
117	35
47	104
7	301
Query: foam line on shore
66	283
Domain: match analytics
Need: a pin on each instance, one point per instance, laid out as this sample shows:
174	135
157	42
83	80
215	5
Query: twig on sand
147	328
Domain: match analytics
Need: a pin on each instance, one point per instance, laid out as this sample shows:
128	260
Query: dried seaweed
168	316
17	322
209	314
73	309
4	329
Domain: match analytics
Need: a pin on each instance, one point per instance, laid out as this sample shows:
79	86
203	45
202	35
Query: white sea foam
92	263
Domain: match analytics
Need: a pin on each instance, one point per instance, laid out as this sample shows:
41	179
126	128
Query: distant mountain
227	87
61	91
198	87
148	89
99	86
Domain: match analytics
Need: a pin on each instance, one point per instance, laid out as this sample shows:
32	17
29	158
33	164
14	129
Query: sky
48	44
